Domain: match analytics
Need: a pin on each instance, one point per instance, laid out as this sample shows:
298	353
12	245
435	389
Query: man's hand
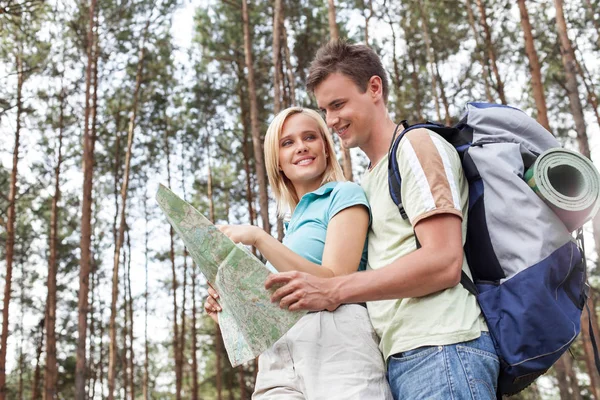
302	291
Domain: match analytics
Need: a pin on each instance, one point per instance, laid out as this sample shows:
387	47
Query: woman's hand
246	234
211	306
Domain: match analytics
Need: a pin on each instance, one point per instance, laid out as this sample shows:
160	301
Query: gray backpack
529	273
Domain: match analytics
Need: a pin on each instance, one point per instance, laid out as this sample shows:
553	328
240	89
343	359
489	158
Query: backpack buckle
402	212
586	290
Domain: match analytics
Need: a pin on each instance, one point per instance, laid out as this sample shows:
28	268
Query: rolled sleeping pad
569	183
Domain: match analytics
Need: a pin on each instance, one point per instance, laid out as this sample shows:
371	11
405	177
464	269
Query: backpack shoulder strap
394	178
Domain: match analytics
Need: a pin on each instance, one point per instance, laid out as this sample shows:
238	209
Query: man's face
347	111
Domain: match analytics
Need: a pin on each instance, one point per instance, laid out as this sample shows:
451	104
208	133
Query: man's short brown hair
356	61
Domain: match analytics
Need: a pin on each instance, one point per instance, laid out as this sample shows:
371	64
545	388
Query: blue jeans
467	370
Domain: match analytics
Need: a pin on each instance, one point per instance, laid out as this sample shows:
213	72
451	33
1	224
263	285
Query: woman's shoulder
348	193
348	187
344	195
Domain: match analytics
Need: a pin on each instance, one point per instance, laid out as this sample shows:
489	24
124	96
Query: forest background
101	100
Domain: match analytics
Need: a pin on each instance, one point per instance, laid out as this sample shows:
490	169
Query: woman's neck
306	187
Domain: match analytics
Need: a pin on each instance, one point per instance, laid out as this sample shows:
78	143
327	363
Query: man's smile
341	131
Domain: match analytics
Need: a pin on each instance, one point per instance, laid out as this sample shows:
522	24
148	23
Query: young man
433	335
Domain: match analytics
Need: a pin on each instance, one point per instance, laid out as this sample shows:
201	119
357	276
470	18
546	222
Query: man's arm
435	266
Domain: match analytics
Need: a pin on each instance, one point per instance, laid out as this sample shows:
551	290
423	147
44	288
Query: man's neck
379	139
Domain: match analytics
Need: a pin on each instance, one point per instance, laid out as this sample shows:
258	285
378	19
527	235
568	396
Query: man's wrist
336	293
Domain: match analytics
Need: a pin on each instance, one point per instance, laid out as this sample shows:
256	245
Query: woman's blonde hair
282	187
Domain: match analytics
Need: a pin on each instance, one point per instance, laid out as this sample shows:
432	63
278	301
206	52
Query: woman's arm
346	233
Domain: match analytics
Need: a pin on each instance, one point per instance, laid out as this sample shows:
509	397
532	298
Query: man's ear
375	87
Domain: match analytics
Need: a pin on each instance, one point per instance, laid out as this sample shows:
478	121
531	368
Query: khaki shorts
326	355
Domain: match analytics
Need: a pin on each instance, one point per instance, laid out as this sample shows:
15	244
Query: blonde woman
328	354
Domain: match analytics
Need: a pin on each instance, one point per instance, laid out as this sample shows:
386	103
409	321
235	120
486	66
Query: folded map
249	322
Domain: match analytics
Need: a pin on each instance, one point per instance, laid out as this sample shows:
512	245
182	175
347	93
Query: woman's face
302	156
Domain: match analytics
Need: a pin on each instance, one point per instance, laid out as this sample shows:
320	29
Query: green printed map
249	322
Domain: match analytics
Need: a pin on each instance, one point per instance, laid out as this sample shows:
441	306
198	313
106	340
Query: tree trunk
130	310
91	323
397	76
242	381
570	66
491	52
51	371
227	207
94	113
10	229
588	82
429	49
588	349
21	361
573	381
416	85
278	77
209	191
335	35
534	68
230	386
100	366
246	148
485	68
288	66
86	219
124	358
447	120
184	295
146	391
174	283
255	126
277	63
280	230
593	307
92	371
120	238
534	392
218	342
369	6
249	197
218	362
245	144
174	286
569	63
183	318
592	98
333	28
116	171
95	281
562	379
194	337
35	389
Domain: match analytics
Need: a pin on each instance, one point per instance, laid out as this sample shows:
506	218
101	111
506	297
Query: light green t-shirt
432	183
